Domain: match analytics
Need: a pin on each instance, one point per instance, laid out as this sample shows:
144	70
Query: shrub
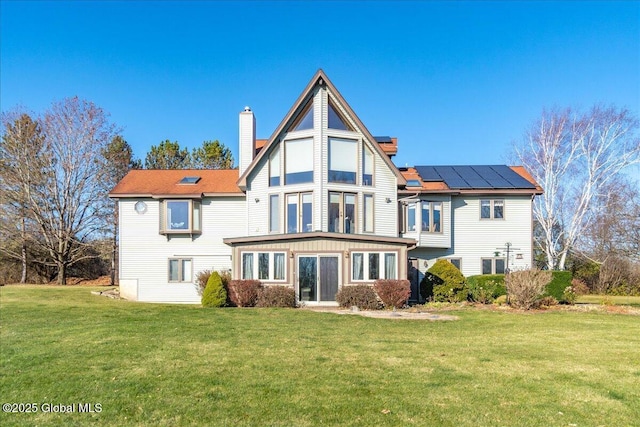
526	287
548	301
486	288
579	287
393	293
362	296
448	285
569	296
201	280
244	293
559	282
276	296
214	294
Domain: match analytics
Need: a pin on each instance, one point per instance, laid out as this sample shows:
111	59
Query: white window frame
350	158
382	273
430	206
256	265
194	209
366	150
181	270
492	206
289	162
275	169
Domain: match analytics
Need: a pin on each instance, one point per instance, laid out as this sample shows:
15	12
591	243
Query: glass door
318	277
307	278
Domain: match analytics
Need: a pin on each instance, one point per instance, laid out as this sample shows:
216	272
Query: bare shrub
526	287
244	293
201	280
276	296
579	287
393	293
362	296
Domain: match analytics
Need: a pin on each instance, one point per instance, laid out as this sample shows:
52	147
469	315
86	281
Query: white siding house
317	206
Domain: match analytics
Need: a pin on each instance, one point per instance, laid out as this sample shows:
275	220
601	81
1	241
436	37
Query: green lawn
610	299
169	365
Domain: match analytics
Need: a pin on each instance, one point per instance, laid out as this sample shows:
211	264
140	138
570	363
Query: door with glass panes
318	277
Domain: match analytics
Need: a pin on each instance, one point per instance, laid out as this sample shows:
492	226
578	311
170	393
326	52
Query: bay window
180	216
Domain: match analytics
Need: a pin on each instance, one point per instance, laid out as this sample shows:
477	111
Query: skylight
190	180
413	183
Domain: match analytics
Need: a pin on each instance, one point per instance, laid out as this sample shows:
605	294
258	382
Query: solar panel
492	177
471	177
451	177
512	177
475	177
383	139
428	174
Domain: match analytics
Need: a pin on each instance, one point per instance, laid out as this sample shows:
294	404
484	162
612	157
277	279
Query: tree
168	155
574	156
21	172
68	204
212	155
118	161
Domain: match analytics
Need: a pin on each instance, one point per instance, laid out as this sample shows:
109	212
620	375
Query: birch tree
574	156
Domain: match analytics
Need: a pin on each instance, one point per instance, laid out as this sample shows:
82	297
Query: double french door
318	277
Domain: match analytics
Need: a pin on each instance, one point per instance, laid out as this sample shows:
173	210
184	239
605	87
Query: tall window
367	166
343	160
368	266
432	217
368	213
299	212
298	161
270	266
411	217
274	168
274	213
180	216
180	270
492	209
342	212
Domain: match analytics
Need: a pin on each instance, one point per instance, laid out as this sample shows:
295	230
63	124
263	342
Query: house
317	206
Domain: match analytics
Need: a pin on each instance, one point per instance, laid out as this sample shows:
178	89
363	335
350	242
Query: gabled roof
318	79
471	178
166	183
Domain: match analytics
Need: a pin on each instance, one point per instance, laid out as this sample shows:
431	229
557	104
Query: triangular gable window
335	119
305	119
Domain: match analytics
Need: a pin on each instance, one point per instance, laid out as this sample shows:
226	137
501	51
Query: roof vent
190	180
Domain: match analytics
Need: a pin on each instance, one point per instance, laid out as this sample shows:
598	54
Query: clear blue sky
456	82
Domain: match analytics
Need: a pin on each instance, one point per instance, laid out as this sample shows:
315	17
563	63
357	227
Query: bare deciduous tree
574	156
67	205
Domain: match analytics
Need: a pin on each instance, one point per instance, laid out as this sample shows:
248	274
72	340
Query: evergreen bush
444	283
214	294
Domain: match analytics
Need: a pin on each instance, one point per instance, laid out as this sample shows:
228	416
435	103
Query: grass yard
170	365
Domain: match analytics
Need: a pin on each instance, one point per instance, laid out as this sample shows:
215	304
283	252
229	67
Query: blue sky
456	82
